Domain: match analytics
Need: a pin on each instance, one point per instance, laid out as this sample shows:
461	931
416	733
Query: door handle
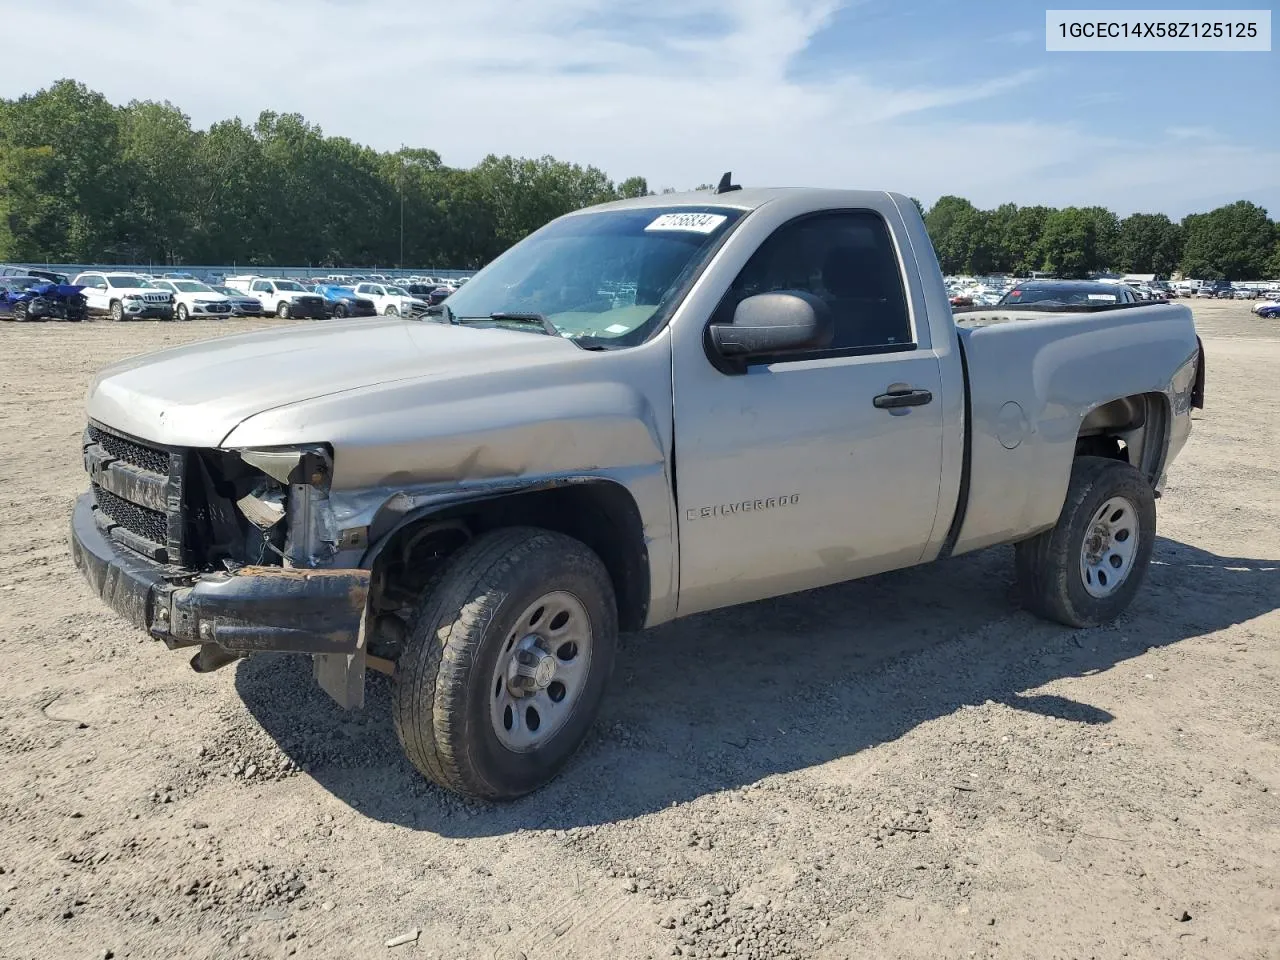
897	397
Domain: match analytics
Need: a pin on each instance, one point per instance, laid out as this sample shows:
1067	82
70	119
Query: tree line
84	181
1237	241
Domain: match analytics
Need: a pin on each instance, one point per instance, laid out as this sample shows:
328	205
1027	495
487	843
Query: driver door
795	473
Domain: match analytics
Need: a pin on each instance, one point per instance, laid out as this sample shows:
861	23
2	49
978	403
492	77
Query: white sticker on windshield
617	328
688	222
1109	297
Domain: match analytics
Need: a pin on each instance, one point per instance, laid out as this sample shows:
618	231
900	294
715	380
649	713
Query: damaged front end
225	549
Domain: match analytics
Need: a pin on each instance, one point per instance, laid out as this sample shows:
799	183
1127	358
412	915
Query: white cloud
675	90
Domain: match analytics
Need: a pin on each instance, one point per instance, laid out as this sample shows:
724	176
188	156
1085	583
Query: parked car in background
284	298
35	298
124	296
391	300
242	305
1267	309
195	299
1065	293
419	290
341	302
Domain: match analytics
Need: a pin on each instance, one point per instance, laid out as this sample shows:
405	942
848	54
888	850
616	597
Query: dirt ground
905	766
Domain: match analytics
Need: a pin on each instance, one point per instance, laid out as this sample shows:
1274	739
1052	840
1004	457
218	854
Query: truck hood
195	395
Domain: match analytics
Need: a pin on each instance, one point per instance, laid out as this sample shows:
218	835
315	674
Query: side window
845	258
261	286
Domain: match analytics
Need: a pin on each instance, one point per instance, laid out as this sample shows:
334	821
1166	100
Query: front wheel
182	312
117	310
282	310
506	663
19	312
391	312
340	311
1086	570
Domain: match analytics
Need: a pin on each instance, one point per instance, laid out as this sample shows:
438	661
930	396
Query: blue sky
924	97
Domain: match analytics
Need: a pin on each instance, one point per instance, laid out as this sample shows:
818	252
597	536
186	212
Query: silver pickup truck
643	410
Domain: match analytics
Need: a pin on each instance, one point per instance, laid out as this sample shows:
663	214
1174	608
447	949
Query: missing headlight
310	533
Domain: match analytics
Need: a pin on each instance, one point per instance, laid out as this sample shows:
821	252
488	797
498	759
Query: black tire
441	696
340	311
19	312
391	312
1049	569
181	312
117	311
282	310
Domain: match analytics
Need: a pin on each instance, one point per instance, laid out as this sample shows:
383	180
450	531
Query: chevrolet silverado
643	410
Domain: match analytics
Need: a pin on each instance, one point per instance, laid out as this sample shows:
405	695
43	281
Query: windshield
598	276
227	291
130	282
396	291
192	286
289	285
1066	295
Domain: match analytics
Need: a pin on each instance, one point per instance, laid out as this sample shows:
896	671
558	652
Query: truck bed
1034	375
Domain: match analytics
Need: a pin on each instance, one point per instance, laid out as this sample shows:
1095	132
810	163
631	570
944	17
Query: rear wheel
506	663
1087	569
282	310
117	310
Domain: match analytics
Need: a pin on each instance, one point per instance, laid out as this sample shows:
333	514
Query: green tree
947	222
61	163
1078	240
634	187
158	152
1149	243
1234	242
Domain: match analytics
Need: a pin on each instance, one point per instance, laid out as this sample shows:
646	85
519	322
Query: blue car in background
35	298
342	302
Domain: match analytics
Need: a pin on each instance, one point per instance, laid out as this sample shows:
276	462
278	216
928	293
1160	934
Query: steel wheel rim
541	672
1109	548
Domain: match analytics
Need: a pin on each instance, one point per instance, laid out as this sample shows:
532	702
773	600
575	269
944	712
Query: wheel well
601	514
1134	429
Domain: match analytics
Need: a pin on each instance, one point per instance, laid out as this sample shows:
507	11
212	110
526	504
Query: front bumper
307	311
55	310
163	310
250	610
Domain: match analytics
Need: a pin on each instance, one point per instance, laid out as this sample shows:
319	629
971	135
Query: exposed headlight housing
298	491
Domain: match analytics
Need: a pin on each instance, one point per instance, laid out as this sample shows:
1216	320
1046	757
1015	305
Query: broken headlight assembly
294	491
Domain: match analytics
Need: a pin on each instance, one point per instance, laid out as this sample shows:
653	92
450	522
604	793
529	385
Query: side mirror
774	323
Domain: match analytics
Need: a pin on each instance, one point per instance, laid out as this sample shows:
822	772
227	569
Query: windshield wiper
547	326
